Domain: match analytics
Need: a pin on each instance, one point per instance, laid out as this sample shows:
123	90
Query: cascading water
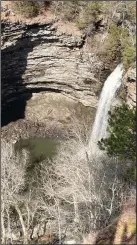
111	85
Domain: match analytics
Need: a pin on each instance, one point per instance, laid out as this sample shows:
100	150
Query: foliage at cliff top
116	18
29	9
85	11
119	43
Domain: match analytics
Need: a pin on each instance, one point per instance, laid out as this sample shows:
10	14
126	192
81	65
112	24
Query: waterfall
110	87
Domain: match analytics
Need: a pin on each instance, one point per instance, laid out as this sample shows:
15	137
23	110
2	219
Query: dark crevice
38	90
37	26
52	83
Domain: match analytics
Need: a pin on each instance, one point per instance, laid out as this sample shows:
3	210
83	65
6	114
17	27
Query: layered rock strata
36	58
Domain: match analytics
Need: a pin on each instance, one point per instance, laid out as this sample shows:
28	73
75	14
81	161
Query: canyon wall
42	59
47	68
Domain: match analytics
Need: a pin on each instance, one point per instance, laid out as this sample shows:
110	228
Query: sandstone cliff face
45	74
44	58
37	58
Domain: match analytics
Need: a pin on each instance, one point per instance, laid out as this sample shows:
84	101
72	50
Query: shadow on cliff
14	92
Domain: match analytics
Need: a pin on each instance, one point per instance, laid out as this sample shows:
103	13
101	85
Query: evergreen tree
122	133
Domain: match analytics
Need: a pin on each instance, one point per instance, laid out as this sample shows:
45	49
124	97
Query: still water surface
40	148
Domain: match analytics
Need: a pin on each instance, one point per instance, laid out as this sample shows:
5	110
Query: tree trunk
9	225
59	220
76	219
3	229
25	235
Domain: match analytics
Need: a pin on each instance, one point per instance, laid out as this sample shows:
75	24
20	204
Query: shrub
92	11
128	52
111	49
129	57
114	40
67	10
81	24
119	44
29	9
130	173
131	10
89	14
128	48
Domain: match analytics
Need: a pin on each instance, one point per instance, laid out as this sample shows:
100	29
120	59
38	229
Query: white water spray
111	85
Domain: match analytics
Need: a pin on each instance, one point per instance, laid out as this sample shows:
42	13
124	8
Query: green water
41	151
39	148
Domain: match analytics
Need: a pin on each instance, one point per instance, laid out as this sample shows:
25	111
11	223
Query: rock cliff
37	58
40	58
130	86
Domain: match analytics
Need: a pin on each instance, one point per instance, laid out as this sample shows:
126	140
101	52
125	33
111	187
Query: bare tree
12	181
12	184
89	189
74	189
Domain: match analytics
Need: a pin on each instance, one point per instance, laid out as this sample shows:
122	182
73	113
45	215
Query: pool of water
39	148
